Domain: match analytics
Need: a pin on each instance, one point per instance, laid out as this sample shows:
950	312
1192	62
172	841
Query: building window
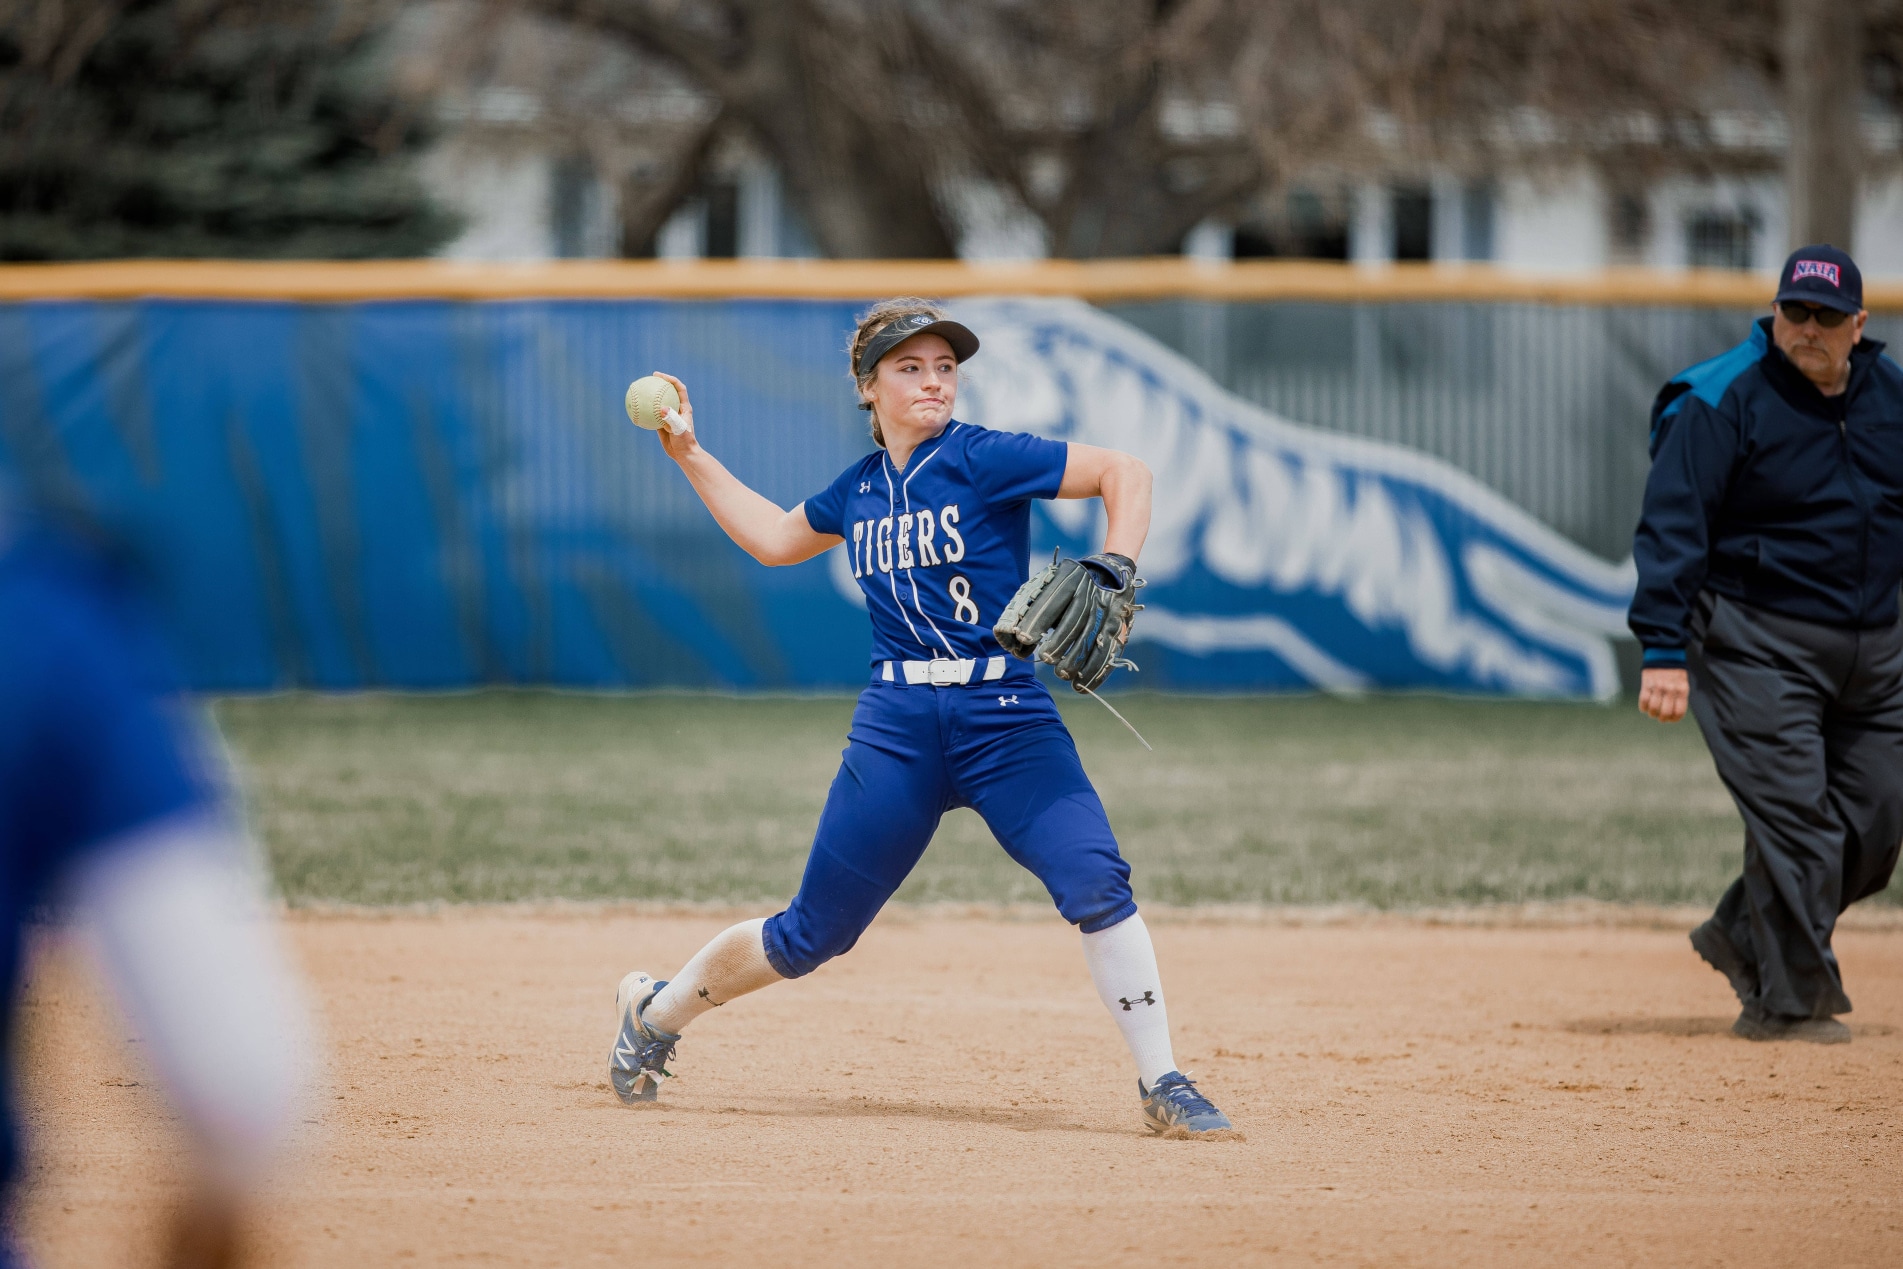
1721	239
1413	223
1631	227
723	219
572	195
1304	226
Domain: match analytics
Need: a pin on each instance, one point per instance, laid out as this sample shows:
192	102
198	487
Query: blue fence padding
424	494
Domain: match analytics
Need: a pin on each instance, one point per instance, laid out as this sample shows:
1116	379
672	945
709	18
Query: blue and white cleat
639	1061
1173	1108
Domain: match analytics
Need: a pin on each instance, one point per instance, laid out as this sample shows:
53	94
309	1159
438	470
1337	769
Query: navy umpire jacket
1768	492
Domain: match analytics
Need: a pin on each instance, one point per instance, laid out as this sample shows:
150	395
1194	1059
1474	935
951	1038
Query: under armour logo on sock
1012	700
1147	998
709	999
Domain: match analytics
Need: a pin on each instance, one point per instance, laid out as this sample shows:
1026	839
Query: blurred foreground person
1769	555
110	807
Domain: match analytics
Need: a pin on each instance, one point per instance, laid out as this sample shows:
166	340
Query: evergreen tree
206	128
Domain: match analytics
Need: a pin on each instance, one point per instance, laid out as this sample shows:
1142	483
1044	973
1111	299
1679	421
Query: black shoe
1753	1025
1711	942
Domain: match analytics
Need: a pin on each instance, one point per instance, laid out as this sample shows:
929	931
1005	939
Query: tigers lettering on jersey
915	536
939	546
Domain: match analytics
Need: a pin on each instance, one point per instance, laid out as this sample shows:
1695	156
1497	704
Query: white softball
654	404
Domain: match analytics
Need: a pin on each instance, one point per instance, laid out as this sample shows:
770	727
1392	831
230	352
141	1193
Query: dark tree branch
790	73
646	203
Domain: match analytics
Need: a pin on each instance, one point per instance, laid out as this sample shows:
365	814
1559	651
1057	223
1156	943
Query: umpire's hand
1663	694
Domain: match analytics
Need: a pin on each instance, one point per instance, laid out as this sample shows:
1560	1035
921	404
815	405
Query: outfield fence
416	474
1546	403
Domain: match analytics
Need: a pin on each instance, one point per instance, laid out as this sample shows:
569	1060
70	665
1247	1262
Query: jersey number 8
963	609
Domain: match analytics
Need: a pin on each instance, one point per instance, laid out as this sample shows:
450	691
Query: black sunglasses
1797	314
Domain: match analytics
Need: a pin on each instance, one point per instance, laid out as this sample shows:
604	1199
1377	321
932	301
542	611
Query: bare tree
1105	119
1824	158
1506	83
814	83
1119	124
508	83
1115	122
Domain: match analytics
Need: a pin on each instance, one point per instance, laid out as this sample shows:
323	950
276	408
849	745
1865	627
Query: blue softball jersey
940	547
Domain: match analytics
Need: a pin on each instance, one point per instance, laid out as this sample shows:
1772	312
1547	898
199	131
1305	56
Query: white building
523	197
530	204
1574	224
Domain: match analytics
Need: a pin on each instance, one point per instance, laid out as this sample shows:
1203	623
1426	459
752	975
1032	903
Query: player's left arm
1123	482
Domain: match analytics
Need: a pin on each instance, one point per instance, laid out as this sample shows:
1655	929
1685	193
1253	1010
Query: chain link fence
1546	404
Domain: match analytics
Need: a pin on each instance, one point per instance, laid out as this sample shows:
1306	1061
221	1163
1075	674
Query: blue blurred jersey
94	741
941	547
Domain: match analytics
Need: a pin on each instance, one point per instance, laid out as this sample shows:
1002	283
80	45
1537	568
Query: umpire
1769	555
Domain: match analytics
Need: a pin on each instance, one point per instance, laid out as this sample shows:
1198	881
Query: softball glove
1075	616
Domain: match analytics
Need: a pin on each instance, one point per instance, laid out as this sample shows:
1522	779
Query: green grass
1393	802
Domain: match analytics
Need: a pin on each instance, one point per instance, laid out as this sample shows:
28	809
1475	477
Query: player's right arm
756	523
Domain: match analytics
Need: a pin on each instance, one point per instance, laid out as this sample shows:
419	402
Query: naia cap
1824	276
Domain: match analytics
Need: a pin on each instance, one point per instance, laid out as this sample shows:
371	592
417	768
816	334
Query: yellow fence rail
1095	280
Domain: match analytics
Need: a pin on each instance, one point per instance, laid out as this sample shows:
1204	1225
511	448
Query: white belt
945	673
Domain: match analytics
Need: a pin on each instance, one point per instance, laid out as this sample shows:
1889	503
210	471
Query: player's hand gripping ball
654	404
1075	615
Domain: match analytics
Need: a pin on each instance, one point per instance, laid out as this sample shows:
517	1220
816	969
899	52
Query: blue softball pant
917	751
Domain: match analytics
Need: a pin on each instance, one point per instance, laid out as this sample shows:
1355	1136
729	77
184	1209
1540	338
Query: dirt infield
951	1093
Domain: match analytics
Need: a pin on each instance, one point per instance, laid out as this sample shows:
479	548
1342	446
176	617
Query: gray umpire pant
1805	725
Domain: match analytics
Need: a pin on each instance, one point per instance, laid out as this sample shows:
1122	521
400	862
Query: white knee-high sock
732	964
1123	965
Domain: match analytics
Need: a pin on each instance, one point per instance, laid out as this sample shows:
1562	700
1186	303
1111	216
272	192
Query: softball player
109	804
937	523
